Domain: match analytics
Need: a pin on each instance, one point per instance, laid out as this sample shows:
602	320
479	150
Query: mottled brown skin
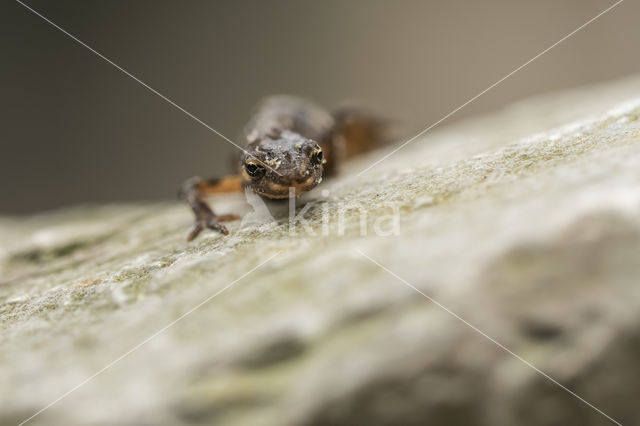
291	144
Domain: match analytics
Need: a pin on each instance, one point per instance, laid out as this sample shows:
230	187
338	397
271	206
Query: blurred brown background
77	130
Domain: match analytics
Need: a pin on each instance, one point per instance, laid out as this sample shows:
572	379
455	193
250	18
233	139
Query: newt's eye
316	157
254	170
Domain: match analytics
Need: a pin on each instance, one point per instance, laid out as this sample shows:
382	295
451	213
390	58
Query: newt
291	145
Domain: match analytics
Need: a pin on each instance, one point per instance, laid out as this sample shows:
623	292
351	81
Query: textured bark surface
525	223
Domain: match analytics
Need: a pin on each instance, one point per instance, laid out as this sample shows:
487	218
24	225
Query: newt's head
278	162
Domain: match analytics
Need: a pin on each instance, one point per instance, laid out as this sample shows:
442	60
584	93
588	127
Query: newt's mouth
277	190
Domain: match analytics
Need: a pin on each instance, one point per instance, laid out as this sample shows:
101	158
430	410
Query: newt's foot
211	221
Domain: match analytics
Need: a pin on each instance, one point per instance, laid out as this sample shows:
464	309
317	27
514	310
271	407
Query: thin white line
131	75
489	337
136	347
141	82
491	87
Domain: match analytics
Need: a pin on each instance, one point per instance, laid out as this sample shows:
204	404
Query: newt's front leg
193	192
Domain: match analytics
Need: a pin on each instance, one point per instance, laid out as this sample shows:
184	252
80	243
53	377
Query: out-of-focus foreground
525	223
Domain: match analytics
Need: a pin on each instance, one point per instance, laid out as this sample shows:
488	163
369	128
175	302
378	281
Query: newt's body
290	145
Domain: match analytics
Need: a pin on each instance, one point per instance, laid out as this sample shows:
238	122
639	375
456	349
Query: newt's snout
277	165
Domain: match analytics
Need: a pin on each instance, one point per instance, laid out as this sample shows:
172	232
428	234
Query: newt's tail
356	131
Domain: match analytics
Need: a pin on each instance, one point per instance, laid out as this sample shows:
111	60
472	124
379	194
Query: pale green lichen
492	225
